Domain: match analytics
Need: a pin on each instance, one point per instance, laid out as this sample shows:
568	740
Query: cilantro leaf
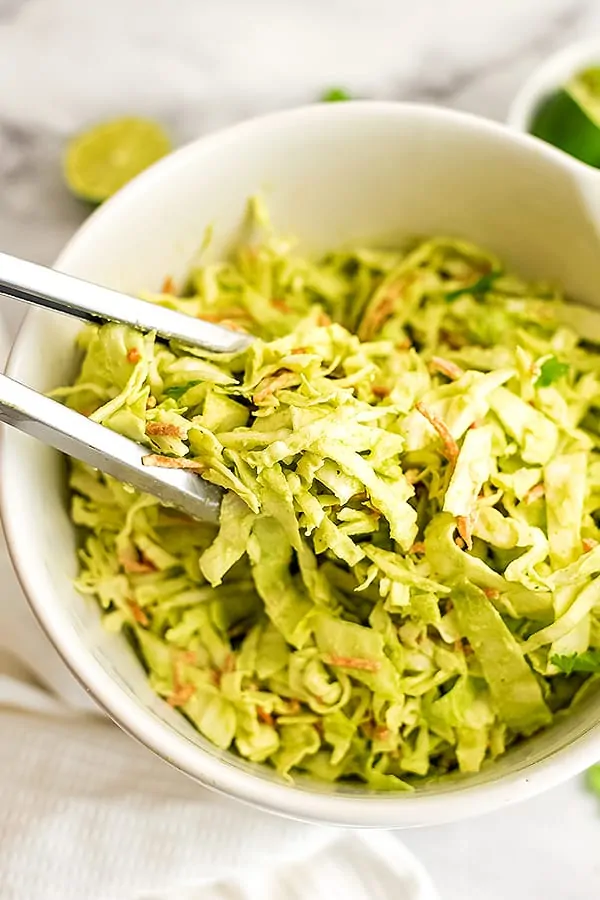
593	779
577	662
335	95
483	284
178	390
550	371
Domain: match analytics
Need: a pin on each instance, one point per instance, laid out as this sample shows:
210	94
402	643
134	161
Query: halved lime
570	118
101	160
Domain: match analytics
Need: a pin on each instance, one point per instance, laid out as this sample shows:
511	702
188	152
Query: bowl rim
550	74
373	811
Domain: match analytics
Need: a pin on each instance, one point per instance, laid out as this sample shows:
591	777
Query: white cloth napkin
88	814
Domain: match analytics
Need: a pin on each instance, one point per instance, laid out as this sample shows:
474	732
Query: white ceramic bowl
550	75
331	174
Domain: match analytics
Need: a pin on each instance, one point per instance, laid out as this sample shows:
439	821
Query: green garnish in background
335	95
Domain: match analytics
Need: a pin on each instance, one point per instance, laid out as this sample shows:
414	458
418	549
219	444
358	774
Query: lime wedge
570	118
100	161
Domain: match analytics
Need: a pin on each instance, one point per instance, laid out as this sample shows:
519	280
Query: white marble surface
198	65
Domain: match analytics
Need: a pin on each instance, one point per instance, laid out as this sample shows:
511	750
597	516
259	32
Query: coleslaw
406	568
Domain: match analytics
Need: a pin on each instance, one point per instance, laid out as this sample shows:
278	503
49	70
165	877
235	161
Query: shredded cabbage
410	452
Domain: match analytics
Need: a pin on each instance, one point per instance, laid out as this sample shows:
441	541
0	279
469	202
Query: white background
197	65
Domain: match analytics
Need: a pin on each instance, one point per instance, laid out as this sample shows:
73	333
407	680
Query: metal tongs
72	433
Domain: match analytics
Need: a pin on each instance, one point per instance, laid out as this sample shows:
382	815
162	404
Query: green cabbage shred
406	576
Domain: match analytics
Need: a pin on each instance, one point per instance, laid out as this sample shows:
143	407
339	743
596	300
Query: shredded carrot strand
464	526
165	429
352	662
450	446
170	462
446	367
536	493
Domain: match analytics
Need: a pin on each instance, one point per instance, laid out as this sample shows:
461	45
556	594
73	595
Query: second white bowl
550	75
